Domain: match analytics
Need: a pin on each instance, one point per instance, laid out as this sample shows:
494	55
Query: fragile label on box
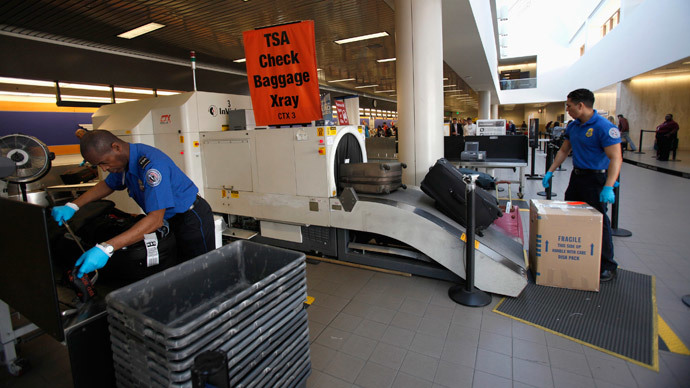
565	244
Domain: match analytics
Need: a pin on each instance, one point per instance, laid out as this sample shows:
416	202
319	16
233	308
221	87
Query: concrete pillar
419	73
484	104
494	111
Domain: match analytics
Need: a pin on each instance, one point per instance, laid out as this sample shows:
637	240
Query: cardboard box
565	244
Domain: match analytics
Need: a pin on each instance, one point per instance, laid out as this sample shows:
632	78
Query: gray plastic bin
244	299
176	301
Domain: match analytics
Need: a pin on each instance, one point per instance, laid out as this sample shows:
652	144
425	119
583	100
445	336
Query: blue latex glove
64	213
545	181
93	259
607	195
616	184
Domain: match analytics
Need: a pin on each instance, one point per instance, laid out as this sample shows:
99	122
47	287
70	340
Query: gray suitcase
372	178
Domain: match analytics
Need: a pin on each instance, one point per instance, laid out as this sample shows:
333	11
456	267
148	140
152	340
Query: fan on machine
31	158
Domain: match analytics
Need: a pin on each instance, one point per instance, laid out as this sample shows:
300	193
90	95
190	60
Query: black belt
584	171
196	201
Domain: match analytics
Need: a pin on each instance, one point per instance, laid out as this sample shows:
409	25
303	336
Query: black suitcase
129	263
444	184
485	181
372	178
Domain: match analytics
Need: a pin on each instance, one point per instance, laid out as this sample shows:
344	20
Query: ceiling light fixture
342	80
365	86
362	37
133	91
671	71
385	60
21	81
666	78
384	91
240	60
68	85
448	86
145	29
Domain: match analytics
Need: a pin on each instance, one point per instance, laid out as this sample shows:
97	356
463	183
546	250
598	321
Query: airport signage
281	71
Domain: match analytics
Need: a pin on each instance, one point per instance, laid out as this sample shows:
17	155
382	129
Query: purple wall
52	128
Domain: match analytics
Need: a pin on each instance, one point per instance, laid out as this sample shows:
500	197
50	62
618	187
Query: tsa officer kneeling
157	185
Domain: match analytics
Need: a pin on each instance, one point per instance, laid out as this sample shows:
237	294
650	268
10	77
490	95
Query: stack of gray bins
244	300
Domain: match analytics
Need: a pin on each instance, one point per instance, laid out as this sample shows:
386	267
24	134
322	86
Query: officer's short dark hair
584	96
97	141
620	115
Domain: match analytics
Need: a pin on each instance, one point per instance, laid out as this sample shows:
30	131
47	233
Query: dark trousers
586	188
194	231
665	145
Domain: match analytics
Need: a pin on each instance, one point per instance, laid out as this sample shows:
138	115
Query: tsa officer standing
597	160
157	185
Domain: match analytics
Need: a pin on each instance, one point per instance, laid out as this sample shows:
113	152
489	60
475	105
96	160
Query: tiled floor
370	329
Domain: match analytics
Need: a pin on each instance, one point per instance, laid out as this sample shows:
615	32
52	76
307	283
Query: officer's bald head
102	148
97	142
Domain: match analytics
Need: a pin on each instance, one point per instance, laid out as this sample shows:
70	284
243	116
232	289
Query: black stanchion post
466	294
548	193
532	175
615	230
639	146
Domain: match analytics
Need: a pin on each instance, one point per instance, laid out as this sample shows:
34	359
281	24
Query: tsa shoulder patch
153	177
614	133
143	162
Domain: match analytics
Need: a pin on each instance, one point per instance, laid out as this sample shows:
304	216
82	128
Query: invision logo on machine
165	119
215	111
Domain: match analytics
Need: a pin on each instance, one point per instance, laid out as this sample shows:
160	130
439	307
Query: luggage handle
509	204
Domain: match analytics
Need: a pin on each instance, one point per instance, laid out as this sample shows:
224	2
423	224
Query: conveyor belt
410	216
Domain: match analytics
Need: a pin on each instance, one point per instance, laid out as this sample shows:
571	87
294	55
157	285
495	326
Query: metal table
494	163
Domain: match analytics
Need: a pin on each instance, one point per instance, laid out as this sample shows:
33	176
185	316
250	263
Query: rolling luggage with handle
485	181
372	178
133	262
510	223
444	183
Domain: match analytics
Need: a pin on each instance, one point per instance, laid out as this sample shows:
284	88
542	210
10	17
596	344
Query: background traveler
624	128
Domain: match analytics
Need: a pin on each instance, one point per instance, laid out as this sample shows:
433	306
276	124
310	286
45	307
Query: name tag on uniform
151	242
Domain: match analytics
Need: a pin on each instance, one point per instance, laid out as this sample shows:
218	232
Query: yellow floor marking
674	343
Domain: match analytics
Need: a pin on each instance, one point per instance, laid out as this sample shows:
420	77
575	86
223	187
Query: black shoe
607	275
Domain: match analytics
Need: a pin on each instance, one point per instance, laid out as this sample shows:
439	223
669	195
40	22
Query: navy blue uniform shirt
589	140
154	181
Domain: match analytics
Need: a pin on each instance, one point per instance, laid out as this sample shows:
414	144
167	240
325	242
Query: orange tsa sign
281	70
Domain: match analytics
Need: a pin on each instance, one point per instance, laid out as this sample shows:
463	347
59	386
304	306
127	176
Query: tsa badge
153	177
589	132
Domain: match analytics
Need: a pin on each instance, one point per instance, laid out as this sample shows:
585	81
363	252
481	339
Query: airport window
611	23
